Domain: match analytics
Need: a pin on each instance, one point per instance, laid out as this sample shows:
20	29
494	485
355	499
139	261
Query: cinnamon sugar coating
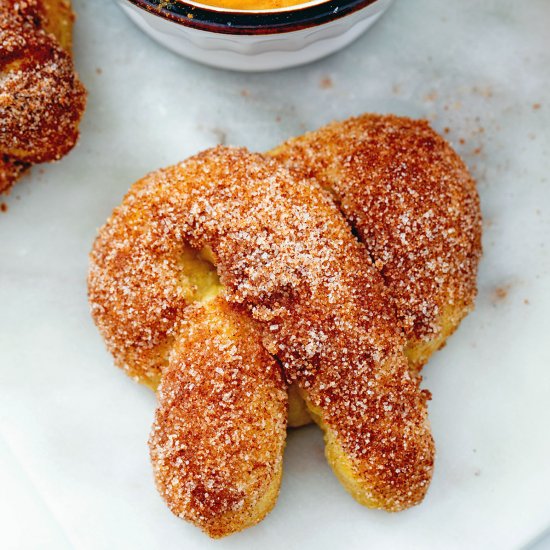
41	98
220	428
288	261
413	203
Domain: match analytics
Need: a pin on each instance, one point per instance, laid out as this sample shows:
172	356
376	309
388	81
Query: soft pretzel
288	262
413	203
41	98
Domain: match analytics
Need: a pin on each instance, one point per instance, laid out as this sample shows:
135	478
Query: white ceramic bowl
259	40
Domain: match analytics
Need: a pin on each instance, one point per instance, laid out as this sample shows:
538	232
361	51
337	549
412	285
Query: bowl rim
251	22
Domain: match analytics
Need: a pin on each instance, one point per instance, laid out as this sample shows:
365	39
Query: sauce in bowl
253	4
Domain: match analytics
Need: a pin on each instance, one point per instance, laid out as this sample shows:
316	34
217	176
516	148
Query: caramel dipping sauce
253	4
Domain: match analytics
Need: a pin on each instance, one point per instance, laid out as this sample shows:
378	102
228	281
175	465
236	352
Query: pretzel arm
220	427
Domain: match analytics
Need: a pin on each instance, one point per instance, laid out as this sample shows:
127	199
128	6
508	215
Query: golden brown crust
41	98
376	428
220	428
298	412
287	259
413	203
57	18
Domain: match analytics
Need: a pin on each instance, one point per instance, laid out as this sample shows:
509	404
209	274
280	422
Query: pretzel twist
287	263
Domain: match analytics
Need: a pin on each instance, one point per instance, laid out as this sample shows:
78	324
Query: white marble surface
74	468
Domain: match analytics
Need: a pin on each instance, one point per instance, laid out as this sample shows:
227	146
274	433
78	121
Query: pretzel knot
227	278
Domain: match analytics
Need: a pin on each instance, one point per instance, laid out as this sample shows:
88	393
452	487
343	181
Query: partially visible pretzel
41	98
287	263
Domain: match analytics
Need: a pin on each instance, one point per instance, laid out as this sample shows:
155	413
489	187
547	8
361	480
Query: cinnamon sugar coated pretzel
233	228
41	98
